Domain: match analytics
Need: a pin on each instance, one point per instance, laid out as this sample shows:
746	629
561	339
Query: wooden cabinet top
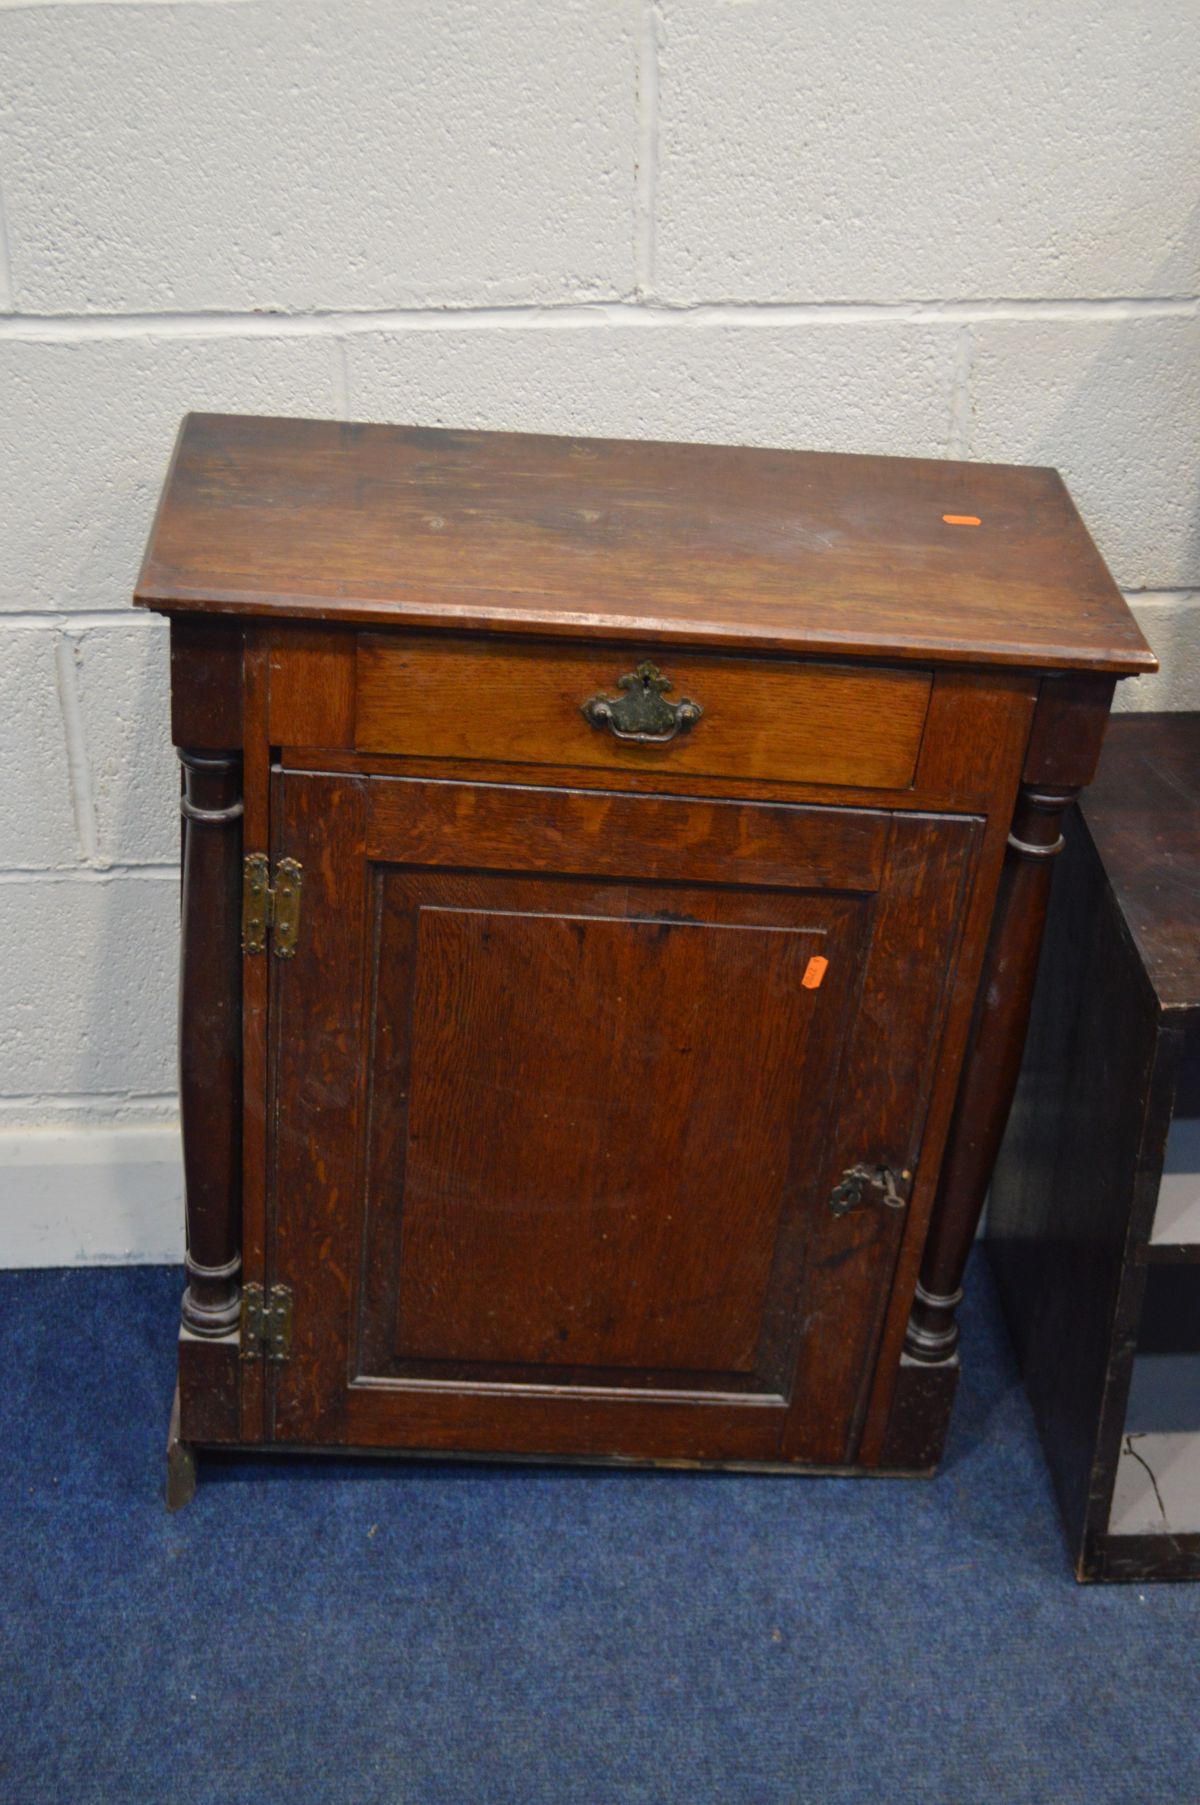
1143	812
705	544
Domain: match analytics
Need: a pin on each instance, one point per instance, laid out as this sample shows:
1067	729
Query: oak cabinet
593	852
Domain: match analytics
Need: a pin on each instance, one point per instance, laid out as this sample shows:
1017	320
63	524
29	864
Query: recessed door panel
586	1131
554	1175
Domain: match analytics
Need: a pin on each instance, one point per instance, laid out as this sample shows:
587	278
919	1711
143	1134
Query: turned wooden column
990	1069
210	1039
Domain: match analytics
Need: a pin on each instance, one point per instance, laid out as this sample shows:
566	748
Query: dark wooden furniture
1094	1220
617	831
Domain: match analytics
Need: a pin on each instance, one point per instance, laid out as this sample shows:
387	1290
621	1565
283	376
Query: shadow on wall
134	786
134	793
1112	398
127	1053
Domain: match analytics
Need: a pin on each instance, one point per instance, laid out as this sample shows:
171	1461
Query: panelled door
564	1086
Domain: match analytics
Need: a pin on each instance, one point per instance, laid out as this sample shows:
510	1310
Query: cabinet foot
920	1414
181	1463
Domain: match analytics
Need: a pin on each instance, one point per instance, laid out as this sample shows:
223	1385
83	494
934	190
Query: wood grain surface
563	1047
712	545
777	720
1143	812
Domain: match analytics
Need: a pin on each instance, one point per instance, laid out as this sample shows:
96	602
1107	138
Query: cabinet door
562	1082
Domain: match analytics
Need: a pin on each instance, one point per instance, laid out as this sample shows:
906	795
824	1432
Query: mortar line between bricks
960	395
1144	597
77	621
341	379
93	873
8	298
82	1099
78	771
647	152
572	315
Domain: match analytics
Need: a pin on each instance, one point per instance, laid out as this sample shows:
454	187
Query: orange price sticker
814	971
962	520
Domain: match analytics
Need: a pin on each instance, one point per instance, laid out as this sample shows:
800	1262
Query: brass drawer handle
641	714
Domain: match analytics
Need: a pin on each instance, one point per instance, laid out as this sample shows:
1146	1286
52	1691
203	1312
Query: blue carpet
391	1632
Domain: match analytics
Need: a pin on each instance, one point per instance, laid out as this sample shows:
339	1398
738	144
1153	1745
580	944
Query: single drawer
790	721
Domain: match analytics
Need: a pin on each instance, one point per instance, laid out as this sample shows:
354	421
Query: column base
932	1333
920	1414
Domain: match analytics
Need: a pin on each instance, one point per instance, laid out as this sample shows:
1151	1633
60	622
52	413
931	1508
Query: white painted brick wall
884	385
1115	403
878	150
87	421
957	230
124	689
89	975
300	154
37	827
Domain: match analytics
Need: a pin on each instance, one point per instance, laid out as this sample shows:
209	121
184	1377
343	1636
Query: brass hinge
266	1322
265	907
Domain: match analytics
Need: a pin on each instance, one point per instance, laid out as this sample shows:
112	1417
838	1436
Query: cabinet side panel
1058	1213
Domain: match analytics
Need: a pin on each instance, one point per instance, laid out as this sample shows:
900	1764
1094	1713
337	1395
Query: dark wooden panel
602	1157
209	1379
584	1422
975	733
807	723
312	687
712	545
574	1123
1059	1209
317	1080
1068	731
919	1416
1143	812
603	1246
883	1094
206	684
504	828
256	837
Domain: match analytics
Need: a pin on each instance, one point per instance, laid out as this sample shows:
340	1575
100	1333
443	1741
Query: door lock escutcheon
863	1184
